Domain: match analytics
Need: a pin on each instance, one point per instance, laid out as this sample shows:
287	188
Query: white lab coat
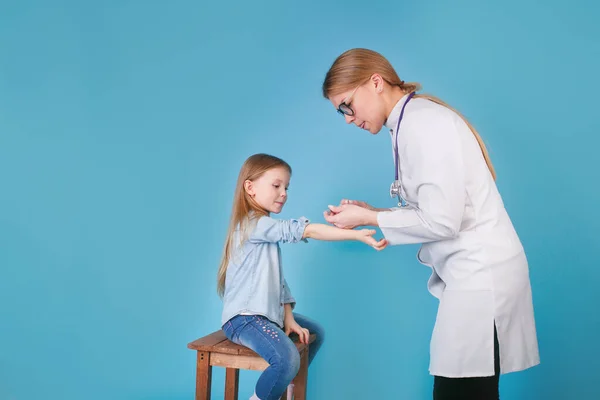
479	269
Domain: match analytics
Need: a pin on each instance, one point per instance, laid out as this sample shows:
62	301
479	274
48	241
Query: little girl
257	301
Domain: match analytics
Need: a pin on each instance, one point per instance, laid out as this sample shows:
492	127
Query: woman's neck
393	97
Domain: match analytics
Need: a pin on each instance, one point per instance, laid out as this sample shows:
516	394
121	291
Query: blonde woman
444	182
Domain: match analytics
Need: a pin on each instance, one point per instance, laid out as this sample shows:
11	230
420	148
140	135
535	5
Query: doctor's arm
432	164
434	167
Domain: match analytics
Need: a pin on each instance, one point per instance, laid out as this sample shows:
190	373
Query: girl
257	301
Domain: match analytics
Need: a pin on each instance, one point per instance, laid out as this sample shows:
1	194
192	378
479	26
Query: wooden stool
216	350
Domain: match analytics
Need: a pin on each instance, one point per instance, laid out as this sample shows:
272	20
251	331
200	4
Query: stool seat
216	350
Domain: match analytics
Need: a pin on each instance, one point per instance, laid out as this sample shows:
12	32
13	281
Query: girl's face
270	190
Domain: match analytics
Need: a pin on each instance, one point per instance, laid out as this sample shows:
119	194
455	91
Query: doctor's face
362	106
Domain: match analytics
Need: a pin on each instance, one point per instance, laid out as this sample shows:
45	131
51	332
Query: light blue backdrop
122	128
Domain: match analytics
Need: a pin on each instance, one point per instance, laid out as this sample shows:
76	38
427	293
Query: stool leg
288	395
232	377
302	377
203	376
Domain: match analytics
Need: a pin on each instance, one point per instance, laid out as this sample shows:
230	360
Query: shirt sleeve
432	167
288	298
278	230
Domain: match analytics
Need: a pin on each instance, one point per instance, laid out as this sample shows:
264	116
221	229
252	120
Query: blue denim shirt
254	282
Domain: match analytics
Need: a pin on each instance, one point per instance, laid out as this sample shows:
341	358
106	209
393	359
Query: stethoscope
395	187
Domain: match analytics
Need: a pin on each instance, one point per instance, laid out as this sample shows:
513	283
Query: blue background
123	125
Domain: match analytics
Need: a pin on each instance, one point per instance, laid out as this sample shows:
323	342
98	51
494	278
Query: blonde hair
243	205
355	66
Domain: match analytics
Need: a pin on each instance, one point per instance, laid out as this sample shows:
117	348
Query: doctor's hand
357	203
363	205
349	216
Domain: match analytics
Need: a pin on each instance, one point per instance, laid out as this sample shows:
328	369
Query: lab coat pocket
435	284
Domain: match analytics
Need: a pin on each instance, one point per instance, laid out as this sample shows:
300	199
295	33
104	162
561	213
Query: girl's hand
366	236
292	326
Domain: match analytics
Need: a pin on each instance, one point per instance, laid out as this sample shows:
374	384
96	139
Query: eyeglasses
344	107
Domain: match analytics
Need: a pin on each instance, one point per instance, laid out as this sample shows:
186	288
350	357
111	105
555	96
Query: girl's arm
331	233
290	325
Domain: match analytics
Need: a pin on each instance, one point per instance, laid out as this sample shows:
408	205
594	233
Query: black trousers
483	388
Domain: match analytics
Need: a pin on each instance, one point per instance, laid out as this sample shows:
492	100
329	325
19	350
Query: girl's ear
248	187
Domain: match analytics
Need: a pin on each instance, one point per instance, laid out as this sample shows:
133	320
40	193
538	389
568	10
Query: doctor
444	184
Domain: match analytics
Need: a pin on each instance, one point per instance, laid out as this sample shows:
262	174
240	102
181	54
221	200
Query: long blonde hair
243	205
355	66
